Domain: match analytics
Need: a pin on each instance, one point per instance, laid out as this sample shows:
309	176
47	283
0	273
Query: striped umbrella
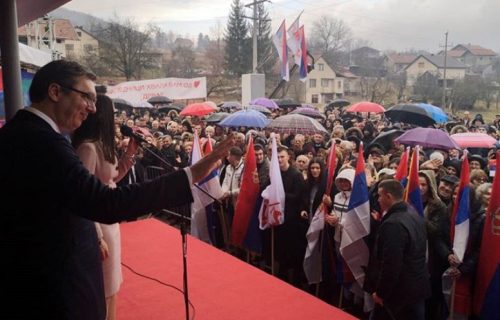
296	123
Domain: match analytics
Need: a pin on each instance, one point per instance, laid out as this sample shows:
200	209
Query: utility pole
256	22
443	102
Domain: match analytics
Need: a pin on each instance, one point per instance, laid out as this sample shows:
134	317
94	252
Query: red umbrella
474	140
197	109
365	106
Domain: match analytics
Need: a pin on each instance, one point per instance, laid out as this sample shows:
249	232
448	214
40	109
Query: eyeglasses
88	97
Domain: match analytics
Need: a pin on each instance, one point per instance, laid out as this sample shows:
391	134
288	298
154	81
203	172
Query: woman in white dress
96	146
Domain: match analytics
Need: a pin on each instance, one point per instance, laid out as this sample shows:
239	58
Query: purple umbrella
261	109
313	113
428	137
231	105
296	123
306	105
265	102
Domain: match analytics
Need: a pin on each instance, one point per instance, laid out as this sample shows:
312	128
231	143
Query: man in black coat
51	266
402	281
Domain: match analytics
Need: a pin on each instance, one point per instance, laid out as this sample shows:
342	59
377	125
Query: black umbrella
159	100
122	103
287	103
216	117
337	103
167	108
385	138
410	113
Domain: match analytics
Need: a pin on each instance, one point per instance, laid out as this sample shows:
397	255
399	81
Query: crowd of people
63	244
421	257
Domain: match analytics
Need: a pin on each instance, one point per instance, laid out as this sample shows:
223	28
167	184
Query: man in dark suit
51	267
402	281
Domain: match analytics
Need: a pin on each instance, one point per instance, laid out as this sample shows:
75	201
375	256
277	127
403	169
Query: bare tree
122	46
330	36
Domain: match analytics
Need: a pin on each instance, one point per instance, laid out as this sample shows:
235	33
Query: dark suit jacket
51	267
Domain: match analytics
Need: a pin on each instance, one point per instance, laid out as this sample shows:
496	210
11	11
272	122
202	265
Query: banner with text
173	88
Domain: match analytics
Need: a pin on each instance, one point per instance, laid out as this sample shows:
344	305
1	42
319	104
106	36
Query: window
70	47
79	33
312	83
325	82
88	47
314	98
339	84
321	67
421	64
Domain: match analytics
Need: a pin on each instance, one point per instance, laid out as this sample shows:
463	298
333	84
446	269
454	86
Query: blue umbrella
259	108
436	113
245	118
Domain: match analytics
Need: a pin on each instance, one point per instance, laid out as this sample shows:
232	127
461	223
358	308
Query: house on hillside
475	57
44	32
397	62
86	45
323	83
434	65
352	83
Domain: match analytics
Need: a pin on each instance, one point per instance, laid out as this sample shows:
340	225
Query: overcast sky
387	24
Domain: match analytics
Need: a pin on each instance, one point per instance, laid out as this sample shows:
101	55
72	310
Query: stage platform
221	287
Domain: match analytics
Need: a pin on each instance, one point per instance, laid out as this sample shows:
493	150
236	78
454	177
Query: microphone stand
148	148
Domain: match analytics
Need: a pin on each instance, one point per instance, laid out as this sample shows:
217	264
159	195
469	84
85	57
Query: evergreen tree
238	55
266	53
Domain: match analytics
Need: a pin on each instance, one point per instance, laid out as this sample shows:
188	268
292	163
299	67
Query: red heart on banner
196	83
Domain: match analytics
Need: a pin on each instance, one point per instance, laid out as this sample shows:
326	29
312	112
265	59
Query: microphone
128	132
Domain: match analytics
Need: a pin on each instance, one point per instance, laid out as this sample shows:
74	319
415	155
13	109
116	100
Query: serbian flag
356	224
279	40
487	292
272	210
402	170
249	192
459	228
294	40
312	259
412	191
303	57
211	186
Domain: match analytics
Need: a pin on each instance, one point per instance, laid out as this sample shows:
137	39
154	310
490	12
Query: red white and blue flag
279	41
247	198
303	57
402	170
412	193
211	186
487	285
356	224
272	210
293	41
460	217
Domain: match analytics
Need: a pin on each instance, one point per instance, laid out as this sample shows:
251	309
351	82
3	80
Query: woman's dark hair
322	176
99	127
63	72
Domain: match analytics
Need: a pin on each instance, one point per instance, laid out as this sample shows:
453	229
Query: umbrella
197	109
159	100
306	105
366	106
287	103
261	109
410	113
143	104
216	117
337	103
122	103
173	106
385	138
245	118
474	140
313	113
212	104
265	102
428	137
435	112
231	105
296	123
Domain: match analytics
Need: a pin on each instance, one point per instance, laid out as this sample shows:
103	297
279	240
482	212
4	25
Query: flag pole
320	261
272	251
452	302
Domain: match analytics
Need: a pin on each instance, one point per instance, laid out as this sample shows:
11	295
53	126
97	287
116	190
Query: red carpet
220	286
